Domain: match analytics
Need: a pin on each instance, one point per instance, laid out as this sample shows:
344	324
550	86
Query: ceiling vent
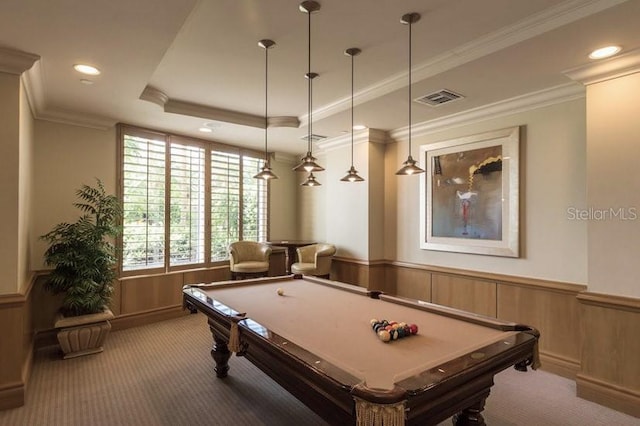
443	96
314	138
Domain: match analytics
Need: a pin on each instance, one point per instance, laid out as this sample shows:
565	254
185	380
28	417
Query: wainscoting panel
555	312
350	272
477	296
206	275
610	354
16	345
12	357
414	283
150	292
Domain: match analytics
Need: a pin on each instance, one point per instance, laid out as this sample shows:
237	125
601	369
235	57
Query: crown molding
34	88
547	20
283	121
16	62
607	69
366	135
158	97
74	119
155	96
213	113
515	105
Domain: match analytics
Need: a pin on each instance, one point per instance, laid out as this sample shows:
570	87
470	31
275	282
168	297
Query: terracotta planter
83	335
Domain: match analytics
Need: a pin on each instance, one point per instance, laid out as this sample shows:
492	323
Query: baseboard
559	365
612	396
12	395
122	322
46	338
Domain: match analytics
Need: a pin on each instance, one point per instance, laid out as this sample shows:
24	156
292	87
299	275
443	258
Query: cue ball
280	292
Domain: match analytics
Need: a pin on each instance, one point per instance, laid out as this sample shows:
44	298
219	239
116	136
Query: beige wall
553	154
553	177
65	158
9	181
311	207
25	191
376	200
613	151
346	210
349	215
283	220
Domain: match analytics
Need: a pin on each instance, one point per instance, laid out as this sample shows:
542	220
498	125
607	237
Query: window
185	200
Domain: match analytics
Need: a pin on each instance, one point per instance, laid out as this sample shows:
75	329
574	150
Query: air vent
438	98
314	138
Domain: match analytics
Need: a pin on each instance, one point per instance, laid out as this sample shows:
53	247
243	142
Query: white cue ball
280	292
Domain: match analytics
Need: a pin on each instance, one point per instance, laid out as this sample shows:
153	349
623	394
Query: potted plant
84	258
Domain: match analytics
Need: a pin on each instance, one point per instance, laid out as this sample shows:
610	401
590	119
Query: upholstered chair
314	260
248	259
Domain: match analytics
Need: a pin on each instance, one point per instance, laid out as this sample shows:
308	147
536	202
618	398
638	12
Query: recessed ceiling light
206	129
86	69
359	127
605	52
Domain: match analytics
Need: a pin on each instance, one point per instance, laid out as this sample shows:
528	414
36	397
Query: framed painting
470	194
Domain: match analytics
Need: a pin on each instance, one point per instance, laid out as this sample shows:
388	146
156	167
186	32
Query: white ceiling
201	57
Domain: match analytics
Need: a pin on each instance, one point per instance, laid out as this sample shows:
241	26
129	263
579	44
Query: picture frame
470	194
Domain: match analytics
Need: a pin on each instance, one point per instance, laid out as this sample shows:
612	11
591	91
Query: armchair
248	259
314	260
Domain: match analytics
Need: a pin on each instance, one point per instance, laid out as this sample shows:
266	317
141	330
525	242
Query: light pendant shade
410	167
308	163
352	174
266	173
311	181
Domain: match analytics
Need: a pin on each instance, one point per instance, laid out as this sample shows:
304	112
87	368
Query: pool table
316	340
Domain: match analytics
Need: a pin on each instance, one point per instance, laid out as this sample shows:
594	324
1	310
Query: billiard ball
384	335
280	292
413	328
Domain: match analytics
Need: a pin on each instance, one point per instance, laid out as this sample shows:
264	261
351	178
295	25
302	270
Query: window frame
209	146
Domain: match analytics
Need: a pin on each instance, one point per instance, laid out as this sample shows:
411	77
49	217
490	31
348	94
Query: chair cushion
250	266
303	268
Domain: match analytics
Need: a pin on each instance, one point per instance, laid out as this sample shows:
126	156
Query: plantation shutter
225	202
187	205
254	201
143	234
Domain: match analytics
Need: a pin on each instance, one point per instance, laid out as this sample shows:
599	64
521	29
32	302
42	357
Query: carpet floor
162	374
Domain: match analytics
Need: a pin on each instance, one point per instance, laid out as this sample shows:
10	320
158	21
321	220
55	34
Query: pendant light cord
309	106
410	24
266	96
352	111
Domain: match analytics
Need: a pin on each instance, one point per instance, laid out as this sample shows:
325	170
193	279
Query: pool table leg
471	415
220	354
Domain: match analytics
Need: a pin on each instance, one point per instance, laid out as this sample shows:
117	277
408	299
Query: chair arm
233	256
307	254
265	252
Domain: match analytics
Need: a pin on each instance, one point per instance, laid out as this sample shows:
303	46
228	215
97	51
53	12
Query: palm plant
83	255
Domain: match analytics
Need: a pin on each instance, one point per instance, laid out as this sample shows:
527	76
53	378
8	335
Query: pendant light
265	172
311	181
352	174
410	167
308	163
